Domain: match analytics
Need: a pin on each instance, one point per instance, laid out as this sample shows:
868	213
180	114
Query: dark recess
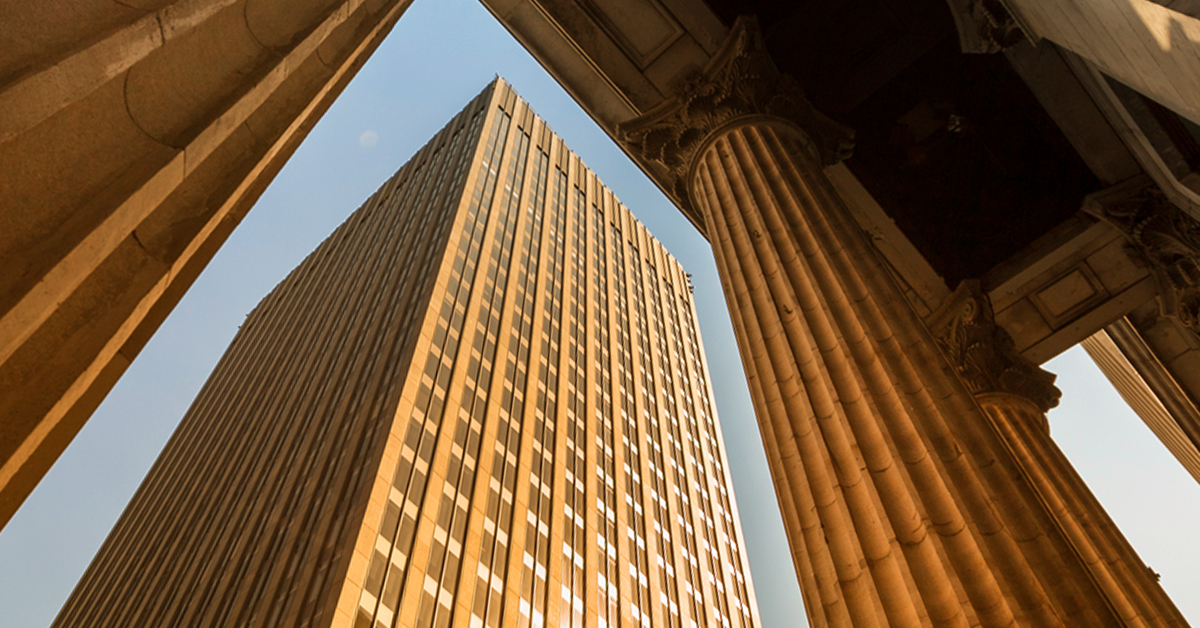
954	147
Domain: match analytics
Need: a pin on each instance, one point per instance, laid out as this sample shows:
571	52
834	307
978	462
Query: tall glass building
482	401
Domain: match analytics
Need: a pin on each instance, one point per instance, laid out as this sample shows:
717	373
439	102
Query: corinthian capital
983	353
984	25
1162	237
740	81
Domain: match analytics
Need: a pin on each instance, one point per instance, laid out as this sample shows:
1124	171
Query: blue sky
438	57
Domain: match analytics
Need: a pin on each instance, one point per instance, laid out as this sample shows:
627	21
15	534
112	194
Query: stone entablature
1079	278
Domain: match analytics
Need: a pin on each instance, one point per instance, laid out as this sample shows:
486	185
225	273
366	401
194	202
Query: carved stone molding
983	353
740	81
1162	237
984	26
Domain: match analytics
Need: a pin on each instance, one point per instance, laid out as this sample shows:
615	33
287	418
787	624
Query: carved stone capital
984	26
740	81
1164	238
983	353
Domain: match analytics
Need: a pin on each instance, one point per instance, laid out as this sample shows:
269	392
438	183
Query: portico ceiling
954	147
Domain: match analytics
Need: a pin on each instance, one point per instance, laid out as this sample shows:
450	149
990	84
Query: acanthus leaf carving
984	26
740	81
983	353
1166	240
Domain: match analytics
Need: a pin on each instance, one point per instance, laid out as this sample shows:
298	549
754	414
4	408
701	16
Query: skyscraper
482	401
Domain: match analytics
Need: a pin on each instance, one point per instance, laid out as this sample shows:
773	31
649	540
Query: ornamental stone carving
1164	239
740	81
984	26
983	353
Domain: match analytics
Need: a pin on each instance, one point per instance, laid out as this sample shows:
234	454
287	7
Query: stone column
1151	354
906	504
134	136
1016	394
1149	386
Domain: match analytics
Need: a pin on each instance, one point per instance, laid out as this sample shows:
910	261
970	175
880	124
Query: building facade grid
481	402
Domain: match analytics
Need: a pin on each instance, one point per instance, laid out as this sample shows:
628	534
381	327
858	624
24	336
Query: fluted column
1016	394
906	504
134	136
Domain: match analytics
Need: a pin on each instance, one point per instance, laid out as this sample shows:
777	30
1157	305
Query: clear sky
441	54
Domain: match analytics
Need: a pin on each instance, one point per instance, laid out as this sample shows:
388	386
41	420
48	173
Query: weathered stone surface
739	81
982	352
1164	238
984	25
121	183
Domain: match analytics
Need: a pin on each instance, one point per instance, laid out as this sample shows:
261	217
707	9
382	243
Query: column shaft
1128	585
912	507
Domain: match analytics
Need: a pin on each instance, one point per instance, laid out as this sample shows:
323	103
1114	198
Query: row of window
387	569
664	540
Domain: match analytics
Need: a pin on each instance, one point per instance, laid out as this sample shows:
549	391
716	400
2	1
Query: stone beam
1074	280
1147	46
